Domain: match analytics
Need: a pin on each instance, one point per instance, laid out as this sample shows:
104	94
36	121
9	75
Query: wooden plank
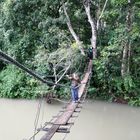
63	131
63	119
59	130
50	132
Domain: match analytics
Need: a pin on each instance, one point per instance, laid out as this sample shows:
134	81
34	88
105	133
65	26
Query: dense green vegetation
37	34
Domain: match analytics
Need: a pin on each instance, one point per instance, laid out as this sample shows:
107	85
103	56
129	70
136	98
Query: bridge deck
66	115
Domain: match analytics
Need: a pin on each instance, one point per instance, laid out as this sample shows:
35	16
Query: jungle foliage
35	33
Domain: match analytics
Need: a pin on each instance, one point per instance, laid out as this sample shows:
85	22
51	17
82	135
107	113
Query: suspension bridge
64	120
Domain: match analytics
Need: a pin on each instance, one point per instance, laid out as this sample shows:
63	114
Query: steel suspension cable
32	73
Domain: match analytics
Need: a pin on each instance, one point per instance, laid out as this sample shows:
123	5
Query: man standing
90	53
75	81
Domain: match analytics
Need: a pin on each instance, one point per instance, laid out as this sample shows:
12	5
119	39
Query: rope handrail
32	73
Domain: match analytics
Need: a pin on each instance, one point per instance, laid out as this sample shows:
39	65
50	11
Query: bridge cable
32	73
37	115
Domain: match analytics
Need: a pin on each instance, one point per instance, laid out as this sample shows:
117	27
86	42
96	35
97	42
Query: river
97	120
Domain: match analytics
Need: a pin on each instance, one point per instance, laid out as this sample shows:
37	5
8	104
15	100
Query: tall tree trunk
125	68
93	27
124	60
129	58
75	36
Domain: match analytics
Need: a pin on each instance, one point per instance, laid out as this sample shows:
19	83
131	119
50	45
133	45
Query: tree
125	68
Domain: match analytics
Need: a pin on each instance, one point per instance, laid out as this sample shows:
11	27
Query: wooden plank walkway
66	115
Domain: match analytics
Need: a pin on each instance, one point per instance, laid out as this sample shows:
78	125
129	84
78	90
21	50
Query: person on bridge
90	53
75	81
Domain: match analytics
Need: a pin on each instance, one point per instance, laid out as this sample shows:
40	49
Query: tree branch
61	76
101	14
78	42
92	24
